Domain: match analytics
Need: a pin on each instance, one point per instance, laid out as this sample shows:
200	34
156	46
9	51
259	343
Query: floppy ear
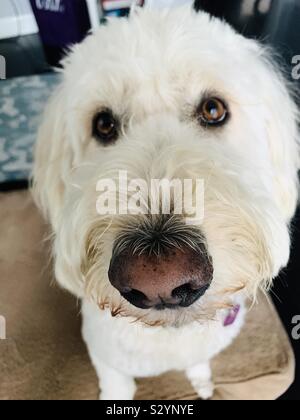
53	159
283	136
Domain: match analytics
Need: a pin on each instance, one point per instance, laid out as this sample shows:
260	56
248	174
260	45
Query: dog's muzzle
176	276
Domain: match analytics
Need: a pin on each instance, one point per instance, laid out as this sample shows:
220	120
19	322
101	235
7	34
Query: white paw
107	396
205	390
200	377
119	393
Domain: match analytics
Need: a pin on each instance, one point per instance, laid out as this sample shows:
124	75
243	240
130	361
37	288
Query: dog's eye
105	127
212	112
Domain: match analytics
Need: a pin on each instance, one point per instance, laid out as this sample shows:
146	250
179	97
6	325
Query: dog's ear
53	159
282	124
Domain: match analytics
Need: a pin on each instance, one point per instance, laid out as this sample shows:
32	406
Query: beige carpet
44	357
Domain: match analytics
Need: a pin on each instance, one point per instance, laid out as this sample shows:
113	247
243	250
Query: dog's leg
200	377
114	384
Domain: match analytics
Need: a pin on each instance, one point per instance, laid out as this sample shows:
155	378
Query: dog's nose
177	278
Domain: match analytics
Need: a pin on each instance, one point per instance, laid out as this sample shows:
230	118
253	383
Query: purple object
61	22
232	315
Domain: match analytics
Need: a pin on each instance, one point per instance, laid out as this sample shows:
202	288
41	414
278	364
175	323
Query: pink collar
232	316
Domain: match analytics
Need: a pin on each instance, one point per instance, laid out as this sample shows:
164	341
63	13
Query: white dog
167	95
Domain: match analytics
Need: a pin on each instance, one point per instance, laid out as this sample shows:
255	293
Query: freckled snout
176	278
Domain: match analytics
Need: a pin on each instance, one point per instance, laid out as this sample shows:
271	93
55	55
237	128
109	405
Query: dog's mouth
161	265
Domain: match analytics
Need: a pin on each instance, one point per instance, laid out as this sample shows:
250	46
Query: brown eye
213	112
105	127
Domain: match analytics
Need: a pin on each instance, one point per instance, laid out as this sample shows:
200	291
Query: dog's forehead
160	55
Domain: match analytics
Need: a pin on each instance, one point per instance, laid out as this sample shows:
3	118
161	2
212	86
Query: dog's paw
107	396
200	378
205	390
119	393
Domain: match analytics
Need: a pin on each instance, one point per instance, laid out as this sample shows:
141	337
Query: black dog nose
178	278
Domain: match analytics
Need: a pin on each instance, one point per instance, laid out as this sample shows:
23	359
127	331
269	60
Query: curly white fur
152	70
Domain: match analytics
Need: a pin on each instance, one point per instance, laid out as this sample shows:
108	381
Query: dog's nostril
135	297
189	295
182	291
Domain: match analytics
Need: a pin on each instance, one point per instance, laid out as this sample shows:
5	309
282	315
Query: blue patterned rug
22	101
